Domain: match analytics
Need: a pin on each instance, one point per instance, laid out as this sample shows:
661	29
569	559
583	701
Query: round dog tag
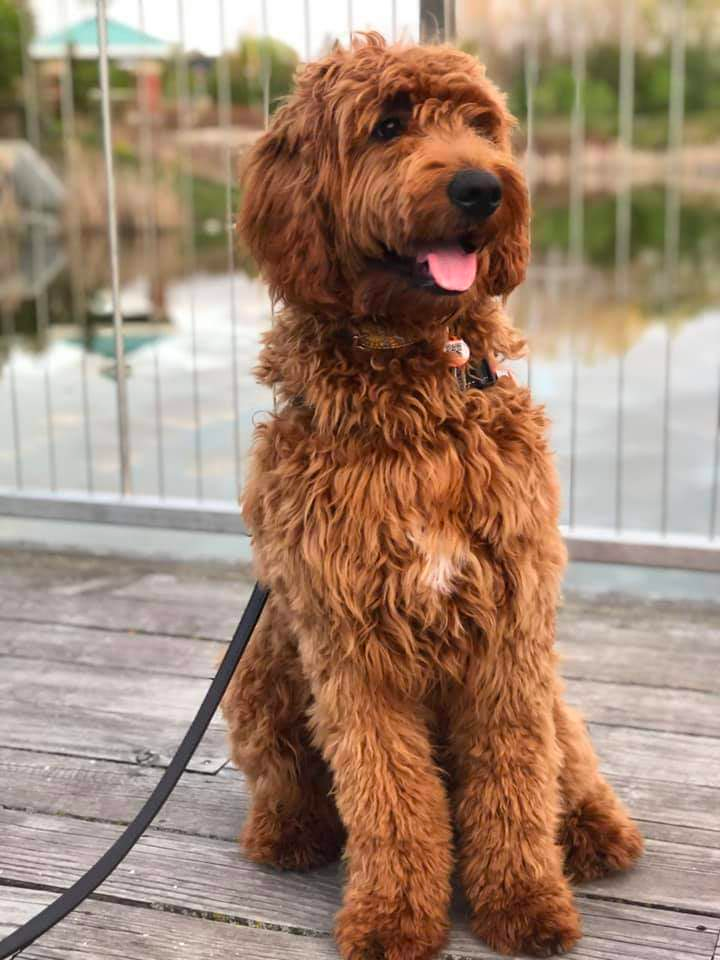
458	352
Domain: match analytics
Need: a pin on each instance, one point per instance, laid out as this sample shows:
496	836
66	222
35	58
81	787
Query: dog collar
479	375
370	335
468	374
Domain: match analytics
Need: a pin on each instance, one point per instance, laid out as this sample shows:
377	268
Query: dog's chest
477	492
440	556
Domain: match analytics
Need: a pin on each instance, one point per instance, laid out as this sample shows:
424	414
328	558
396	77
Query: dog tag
458	352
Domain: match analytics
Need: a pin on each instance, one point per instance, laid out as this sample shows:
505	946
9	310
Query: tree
254	58
11	39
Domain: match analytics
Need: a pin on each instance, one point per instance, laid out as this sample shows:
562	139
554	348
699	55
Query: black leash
91	880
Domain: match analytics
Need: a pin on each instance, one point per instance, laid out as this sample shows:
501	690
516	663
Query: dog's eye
389	128
482	125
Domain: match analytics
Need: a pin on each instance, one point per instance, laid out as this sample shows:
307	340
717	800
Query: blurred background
619	110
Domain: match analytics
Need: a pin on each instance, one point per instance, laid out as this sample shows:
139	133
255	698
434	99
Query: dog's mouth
447	267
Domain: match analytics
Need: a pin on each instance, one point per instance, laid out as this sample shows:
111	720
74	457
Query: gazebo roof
124	43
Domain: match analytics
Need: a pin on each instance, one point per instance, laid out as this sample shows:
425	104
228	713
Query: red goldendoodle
400	697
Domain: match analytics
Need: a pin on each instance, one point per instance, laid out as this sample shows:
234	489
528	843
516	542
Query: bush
11	44
248	64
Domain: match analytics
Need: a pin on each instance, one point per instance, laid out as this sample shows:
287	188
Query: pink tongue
450	267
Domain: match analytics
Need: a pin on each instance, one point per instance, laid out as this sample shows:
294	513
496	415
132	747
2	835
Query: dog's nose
476	192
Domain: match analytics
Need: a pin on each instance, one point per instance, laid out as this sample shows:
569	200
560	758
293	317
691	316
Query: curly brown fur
403	676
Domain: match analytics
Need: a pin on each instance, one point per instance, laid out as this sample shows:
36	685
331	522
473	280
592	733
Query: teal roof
123	42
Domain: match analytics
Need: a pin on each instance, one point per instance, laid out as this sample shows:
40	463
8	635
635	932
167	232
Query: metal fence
160	507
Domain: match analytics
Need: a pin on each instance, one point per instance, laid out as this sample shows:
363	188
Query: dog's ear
284	221
509	256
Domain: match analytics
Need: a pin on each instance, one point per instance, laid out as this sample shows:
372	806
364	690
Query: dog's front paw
312	839
599	838
541	924
369	929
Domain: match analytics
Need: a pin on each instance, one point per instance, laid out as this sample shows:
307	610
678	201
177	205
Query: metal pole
150	245
8	332
623	207
577	229
676	118
38	244
306	14
432	21
266	70
120	382
79	306
225	110
577	143
623	226
184	111
716	471
531	79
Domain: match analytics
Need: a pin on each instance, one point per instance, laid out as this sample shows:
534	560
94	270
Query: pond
627	362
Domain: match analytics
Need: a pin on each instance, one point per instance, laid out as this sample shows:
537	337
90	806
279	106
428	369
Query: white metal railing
615	542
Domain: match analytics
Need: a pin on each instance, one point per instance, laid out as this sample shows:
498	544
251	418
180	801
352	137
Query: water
642	460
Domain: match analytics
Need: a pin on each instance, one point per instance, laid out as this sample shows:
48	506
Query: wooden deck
102	664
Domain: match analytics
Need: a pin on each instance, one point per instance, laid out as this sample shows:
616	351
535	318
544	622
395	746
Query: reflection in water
643	368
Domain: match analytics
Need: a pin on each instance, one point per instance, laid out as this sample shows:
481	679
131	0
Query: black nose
476	192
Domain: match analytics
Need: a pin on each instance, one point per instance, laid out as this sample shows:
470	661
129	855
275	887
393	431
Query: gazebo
133	49
124	43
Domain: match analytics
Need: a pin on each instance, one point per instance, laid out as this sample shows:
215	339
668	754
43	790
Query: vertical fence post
306	24
531	71
225	119
576	228
623	228
432	21
715	489
676	119
150	251
120	380
77	289
265	61
38	241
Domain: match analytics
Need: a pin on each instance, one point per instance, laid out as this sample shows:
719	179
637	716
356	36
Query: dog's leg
394	807
596	831
505	767
293	822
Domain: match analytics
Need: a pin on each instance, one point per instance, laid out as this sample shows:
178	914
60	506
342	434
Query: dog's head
386	185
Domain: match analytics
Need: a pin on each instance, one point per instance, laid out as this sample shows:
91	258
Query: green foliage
700	231
555	93
253	59
11	44
86	79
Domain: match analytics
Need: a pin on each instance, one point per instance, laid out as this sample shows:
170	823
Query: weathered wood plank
174	870
102	790
113	714
216	807
115	932
109	930
48	569
684	805
90	646
92	591
109	612
656	755
693	712
653	708
615	661
690	932
118	932
105	647
211	875
654	624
